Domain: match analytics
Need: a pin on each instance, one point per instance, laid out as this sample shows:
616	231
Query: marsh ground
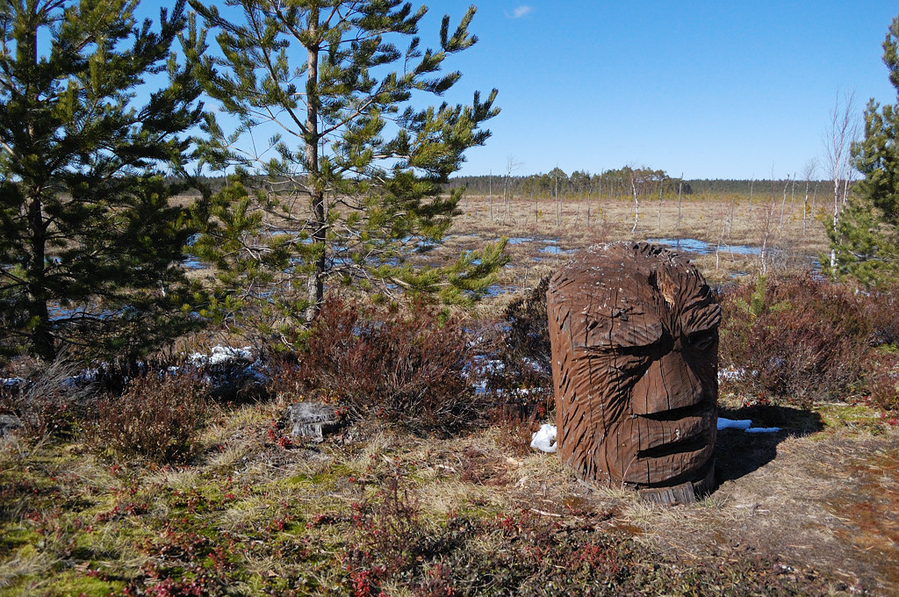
809	510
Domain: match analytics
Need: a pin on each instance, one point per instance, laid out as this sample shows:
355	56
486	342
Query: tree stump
634	335
312	419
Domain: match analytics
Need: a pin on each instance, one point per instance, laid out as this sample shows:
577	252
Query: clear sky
707	89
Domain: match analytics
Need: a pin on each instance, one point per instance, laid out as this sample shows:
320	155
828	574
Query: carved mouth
686	429
672	444
693	444
653	467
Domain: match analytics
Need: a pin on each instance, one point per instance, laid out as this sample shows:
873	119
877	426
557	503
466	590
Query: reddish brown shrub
156	418
882	311
883	382
521	374
406	367
794	339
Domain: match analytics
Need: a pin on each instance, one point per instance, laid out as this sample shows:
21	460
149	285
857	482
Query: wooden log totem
634	335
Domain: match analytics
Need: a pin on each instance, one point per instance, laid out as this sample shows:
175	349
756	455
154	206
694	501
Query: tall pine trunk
38	310
315	285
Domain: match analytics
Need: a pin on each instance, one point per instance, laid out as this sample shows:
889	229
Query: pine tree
349	185
90	246
865	240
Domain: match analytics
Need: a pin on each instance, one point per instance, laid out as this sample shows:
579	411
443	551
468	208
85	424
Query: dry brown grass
817	501
791	234
808	506
819	504
790	242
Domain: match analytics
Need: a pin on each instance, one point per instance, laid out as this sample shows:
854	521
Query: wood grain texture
634	335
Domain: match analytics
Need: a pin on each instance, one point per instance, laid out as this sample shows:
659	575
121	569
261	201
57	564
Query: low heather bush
803	339
882	311
392	539
45	399
157	418
408	367
524	377
882	382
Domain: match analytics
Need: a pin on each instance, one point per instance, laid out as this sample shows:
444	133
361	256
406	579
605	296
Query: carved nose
668	384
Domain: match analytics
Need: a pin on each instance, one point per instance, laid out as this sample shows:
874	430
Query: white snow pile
230	371
733	374
544	439
744	425
221	355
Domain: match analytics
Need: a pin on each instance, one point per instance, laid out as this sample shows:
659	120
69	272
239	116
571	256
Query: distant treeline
614	183
611	183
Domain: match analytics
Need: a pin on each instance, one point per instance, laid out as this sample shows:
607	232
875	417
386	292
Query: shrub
794	339
883	382
156	418
407	367
392	538
44	398
527	338
524	375
882	311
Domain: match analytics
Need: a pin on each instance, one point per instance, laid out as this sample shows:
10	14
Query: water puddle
193	263
496	290
701	247
553	250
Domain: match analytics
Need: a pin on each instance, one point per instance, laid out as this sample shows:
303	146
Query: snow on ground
221	355
744	425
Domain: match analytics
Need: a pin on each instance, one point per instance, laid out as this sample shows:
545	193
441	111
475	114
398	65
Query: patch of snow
221	355
11	382
85	377
734	374
744	425
534	365
483	368
545	439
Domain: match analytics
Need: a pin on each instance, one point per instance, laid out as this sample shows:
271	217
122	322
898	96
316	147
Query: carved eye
702	341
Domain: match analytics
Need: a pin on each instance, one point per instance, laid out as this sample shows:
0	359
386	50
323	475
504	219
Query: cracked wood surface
634	334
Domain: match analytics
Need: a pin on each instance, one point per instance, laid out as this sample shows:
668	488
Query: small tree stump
634	335
312	420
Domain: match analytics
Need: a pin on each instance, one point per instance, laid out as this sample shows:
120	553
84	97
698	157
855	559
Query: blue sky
723	89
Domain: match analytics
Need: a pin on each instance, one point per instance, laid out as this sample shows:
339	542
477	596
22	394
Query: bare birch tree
810	168
842	132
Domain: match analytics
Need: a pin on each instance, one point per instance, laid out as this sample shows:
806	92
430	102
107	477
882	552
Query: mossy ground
807	511
374	509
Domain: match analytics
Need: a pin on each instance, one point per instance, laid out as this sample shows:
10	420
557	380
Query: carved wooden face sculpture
634	334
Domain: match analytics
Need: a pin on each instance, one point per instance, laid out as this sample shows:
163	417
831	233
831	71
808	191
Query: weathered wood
312	419
634	335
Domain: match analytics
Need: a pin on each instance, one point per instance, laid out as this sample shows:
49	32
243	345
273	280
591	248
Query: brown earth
820	497
822	503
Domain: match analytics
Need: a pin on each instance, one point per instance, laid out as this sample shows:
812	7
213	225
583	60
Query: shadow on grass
738	453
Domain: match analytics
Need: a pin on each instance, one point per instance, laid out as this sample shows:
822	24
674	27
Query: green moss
323	481
13	536
301	480
78	583
853	416
18	589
